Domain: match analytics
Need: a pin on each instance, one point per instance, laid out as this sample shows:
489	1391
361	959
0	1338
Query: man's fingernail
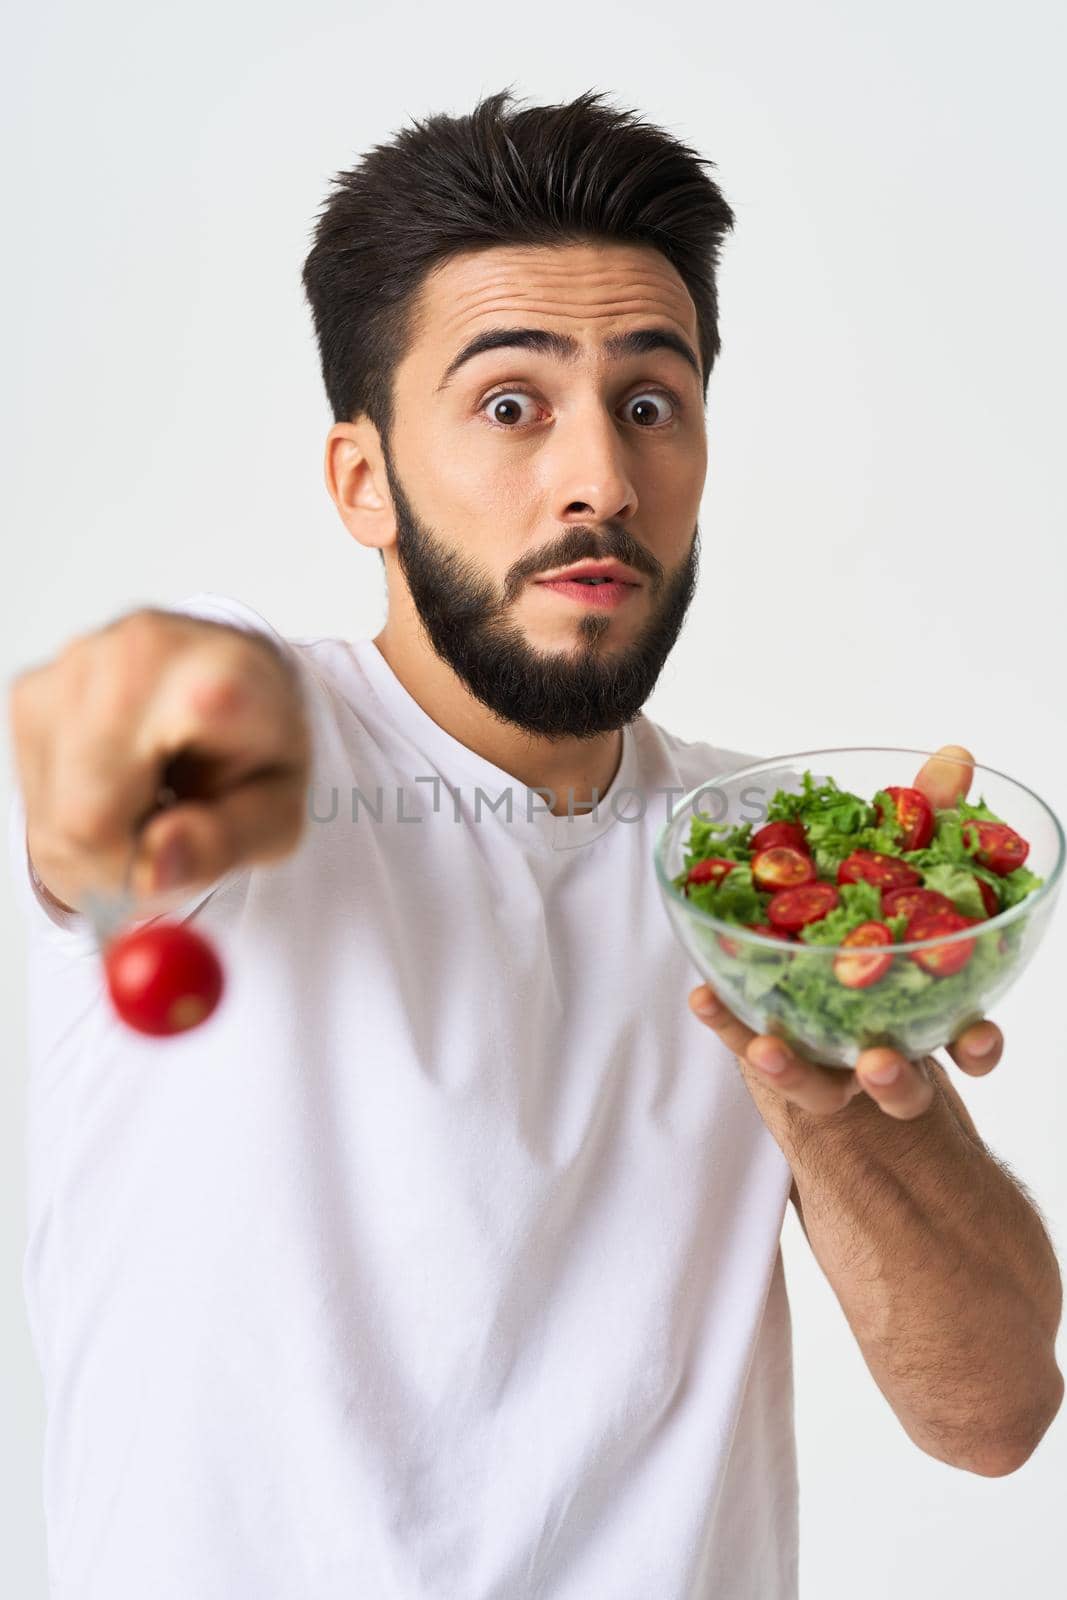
173	864
984	1044
770	1058
886	1074
708	1004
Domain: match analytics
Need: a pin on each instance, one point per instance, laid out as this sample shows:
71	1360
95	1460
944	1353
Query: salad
828	868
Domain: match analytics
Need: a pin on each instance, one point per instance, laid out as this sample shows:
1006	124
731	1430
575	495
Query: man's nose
591	479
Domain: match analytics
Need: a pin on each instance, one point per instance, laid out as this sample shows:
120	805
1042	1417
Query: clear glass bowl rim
762	941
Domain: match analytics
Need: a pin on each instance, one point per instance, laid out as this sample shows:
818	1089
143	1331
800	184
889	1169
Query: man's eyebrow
638	342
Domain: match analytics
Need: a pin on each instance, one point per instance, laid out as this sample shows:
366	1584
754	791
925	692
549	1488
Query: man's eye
653	398
505	408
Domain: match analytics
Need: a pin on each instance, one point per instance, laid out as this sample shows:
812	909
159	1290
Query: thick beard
564	696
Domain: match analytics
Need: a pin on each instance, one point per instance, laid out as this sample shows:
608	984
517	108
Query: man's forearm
942	1267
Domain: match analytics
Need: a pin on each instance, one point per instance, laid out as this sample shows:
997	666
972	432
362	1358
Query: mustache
584	543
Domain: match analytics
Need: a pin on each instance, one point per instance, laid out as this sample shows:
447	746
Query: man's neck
571	768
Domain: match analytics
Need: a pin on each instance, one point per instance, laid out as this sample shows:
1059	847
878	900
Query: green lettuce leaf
708	838
1015	886
734	898
959	884
860	902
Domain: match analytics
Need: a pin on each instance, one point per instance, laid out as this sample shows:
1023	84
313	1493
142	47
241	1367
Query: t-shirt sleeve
71	931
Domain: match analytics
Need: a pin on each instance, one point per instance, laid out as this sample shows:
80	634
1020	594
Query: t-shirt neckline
529	819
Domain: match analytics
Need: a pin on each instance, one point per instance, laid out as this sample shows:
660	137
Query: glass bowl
792	989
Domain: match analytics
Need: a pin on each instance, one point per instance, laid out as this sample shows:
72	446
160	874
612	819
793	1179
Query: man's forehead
592	284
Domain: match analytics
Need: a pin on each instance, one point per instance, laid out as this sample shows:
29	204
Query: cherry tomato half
871	866
945	959
776	833
908	900
860	971
733	948
782	867
915	815
162	978
770	932
990	898
793	909
1000	848
713	870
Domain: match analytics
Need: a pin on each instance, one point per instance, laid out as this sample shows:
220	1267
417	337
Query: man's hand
157	699
900	1087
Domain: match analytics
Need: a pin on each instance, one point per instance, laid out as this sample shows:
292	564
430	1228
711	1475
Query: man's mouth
603	593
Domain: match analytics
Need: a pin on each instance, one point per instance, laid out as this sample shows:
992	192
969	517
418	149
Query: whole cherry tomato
163	978
915	815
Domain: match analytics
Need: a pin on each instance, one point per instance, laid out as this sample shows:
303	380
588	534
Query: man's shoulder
698	759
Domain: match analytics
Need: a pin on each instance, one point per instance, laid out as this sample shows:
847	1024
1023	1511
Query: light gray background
882	531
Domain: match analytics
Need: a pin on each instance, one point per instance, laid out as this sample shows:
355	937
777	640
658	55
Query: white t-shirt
442	1262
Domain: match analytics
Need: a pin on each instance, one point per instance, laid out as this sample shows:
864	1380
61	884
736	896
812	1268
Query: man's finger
820	1090
194	842
902	1088
711	1011
946	777
978	1048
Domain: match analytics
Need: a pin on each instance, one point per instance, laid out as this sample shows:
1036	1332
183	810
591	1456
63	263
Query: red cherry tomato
792	909
859	972
711	871
162	978
989	895
908	900
732	946
1000	848
915	815
782	867
776	833
870	866
945	959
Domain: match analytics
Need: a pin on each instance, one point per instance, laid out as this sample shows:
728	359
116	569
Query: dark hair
545	175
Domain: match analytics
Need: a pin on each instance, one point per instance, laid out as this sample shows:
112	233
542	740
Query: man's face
523	461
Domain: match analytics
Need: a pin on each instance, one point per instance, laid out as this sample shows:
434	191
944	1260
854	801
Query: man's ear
354	470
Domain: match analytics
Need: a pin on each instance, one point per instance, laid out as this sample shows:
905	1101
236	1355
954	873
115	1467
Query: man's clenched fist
153	700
